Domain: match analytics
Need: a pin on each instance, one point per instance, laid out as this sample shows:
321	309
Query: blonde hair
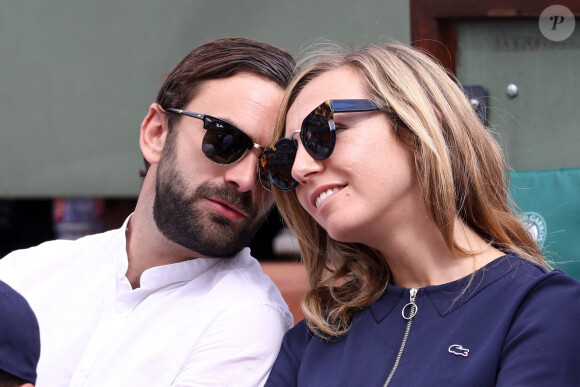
461	170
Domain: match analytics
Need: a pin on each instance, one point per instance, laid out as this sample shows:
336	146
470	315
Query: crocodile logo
457	349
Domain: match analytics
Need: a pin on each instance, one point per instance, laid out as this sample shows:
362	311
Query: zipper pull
411	306
409	311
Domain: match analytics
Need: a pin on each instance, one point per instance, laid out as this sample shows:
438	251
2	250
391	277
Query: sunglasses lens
224	144
276	165
264	177
316	134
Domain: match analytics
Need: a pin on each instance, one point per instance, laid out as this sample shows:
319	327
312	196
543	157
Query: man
19	340
173	298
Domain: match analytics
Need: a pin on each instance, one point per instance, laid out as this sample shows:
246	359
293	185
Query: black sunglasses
318	135
222	143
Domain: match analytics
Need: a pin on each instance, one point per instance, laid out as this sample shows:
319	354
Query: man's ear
153	133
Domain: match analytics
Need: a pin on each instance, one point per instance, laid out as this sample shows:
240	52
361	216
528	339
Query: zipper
409	311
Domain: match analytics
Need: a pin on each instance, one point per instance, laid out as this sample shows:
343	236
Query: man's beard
180	217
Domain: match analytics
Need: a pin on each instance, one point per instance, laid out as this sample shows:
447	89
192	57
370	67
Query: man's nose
243	173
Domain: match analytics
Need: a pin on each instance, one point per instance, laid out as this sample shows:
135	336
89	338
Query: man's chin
215	241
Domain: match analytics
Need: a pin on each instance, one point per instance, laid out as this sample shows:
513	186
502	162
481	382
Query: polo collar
451	296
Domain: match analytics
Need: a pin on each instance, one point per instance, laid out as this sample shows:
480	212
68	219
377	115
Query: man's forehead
247	101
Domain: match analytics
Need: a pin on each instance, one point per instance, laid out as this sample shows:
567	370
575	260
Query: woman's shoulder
286	367
509	282
298	337
552	287
546	317
543	294
521	272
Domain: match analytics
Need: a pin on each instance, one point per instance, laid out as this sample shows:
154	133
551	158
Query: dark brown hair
217	59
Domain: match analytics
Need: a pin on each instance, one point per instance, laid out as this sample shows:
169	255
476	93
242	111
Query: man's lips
227	209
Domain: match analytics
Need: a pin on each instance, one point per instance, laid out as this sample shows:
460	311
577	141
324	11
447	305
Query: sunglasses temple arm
353	106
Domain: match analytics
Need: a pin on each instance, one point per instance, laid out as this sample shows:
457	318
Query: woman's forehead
340	83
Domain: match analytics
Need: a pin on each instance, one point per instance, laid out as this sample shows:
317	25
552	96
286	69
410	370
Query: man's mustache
229	194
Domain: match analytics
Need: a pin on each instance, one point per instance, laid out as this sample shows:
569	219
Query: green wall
539	128
77	77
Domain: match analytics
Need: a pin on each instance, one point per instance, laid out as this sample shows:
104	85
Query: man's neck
147	247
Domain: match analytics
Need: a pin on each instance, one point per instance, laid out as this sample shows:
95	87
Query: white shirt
202	322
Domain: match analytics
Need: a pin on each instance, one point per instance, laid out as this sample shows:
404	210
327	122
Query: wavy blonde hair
461	170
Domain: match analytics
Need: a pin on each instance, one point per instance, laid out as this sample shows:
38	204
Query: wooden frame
433	21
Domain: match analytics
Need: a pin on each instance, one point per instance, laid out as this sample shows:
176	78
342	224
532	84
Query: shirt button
120	307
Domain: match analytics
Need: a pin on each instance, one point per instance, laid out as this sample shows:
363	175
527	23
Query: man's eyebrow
221	118
226	120
229	121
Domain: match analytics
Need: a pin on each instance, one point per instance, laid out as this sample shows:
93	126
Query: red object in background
77	217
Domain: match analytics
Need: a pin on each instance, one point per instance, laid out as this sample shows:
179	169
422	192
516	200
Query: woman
421	274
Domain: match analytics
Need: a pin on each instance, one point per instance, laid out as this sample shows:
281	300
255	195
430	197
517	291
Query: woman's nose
305	166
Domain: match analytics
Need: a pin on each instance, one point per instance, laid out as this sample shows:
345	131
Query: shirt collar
184	271
164	275
122	258
450	296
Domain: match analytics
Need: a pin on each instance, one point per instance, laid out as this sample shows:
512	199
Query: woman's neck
418	255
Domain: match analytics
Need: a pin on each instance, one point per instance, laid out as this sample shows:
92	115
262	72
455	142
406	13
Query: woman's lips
325	194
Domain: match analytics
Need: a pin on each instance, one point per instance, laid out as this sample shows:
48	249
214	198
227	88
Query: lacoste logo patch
457	349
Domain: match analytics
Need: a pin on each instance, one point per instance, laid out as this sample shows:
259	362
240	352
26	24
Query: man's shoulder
243	272
241	278
57	253
62	246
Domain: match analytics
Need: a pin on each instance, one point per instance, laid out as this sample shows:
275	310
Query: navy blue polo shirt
516	325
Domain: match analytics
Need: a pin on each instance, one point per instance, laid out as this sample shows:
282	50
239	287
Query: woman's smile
325	194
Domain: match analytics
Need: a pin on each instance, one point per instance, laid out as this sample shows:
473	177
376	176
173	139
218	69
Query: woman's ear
153	133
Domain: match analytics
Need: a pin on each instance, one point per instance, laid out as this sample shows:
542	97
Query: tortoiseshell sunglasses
318	135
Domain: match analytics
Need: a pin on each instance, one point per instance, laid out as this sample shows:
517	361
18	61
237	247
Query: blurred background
77	77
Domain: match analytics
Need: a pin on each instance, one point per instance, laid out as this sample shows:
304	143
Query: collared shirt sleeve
542	347
238	349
